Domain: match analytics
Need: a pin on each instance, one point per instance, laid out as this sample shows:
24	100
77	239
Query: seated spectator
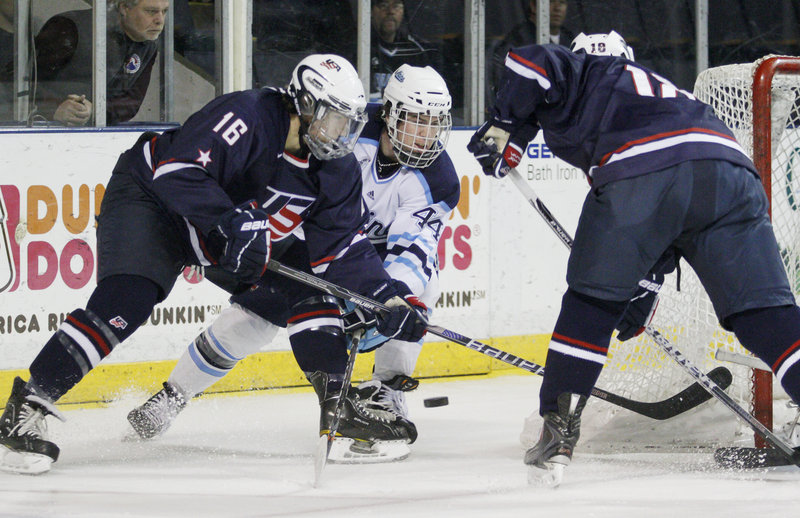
393	44
525	34
64	61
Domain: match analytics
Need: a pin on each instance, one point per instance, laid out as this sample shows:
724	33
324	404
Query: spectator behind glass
393	45
64	61
525	34
285	31
6	60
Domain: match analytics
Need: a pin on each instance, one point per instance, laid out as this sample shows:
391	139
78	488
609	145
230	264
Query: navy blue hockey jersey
608	116
232	151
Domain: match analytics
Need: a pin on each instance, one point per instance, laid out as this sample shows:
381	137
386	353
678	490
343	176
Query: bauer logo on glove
241	241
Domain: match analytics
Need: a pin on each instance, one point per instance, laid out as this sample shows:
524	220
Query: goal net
766	121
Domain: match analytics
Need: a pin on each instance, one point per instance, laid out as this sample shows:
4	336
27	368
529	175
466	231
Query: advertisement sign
502	271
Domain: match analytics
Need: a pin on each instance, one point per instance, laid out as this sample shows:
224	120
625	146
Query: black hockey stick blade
475	345
689	398
752	458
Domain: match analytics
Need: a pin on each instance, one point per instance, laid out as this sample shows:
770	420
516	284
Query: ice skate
560	432
368	431
155	416
24	447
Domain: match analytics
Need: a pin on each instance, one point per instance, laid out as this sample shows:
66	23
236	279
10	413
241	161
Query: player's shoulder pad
443	180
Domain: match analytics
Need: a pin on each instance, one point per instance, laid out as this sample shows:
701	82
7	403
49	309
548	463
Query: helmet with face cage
417	114
329	98
611	44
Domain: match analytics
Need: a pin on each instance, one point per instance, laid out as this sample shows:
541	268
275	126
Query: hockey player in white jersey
410	187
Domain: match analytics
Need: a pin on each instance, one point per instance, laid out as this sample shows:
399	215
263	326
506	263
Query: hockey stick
709	385
686	400
326	441
782	446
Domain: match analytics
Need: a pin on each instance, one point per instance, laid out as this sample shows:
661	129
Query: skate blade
23	463
549	476
348	451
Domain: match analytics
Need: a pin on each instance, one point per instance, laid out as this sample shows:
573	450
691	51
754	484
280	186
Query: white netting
637	368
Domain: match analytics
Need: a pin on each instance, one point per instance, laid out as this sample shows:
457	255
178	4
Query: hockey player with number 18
410	187
667	177
233	185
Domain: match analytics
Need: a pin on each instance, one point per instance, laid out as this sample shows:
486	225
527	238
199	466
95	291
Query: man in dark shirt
393	45
64	61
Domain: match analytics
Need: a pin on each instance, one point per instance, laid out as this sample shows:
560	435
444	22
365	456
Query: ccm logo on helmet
255	225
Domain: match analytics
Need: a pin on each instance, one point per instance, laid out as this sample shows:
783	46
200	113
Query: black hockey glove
242	241
407	317
487	142
642	307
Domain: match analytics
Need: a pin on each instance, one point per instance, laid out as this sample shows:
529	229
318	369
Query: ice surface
252	455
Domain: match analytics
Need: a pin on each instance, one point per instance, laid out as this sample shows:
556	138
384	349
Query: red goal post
763	80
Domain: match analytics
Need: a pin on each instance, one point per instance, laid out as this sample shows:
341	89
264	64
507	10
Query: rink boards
502	270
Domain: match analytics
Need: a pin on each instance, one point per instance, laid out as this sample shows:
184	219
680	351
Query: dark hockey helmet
329	98
611	44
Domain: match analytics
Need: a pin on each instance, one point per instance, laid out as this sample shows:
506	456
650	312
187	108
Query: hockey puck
436	401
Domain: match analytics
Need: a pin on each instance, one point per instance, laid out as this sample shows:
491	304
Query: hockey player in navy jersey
667	179
410	187
234	184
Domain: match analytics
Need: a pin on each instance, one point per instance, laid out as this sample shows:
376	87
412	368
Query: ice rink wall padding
502	270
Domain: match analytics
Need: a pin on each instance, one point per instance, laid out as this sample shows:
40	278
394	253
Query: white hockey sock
395	357
235	334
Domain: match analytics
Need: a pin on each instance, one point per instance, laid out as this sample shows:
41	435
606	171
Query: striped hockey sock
117	307
773	334
578	347
317	337
79	345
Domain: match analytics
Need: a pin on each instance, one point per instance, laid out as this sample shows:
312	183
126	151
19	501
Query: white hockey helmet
611	44
329	98
417	114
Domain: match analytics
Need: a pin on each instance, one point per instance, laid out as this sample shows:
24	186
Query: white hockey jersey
407	213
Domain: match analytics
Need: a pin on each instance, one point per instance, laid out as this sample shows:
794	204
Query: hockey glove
243	241
642	307
487	142
406	320
357	318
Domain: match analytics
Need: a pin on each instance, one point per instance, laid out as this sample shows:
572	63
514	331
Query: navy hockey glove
357	318
407	317
406	320
641	308
487	142
243	233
